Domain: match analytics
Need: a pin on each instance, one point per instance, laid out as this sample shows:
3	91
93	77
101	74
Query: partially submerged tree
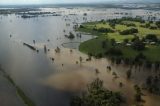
97	95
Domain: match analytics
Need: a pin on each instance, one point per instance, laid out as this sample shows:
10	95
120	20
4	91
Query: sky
66	1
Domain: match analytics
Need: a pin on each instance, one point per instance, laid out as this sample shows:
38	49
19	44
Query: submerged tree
97	95
138	95
80	60
129	73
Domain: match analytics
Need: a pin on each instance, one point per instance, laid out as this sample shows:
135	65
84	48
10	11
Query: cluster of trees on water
138	94
70	36
114	52
140	60
152	84
97	95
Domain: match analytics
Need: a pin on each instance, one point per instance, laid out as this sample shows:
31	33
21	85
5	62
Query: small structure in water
45	49
52	59
71	50
57	50
31	47
34	41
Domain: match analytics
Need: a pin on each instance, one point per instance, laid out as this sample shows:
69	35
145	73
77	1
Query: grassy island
132	40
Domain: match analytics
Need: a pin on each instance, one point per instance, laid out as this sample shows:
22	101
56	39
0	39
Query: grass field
94	46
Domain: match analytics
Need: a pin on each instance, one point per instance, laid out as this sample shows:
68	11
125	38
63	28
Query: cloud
67	1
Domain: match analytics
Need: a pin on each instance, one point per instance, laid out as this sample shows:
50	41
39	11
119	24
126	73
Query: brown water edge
74	77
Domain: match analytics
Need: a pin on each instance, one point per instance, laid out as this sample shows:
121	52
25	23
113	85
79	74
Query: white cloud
62	1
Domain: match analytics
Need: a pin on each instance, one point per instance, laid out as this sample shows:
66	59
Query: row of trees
120	21
129	24
103	30
153	84
129	31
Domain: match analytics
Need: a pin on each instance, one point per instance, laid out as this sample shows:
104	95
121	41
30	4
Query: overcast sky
63	1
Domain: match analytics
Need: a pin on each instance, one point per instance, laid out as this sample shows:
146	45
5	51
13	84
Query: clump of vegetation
129	31
71	35
151	38
103	30
81	26
158	24
97	95
138	94
138	44
85	14
129	73
129	24
140	57
114	52
153	84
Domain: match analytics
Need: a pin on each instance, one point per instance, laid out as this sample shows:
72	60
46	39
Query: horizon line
10	4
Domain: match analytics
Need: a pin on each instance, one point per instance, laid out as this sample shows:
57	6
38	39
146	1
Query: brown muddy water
50	83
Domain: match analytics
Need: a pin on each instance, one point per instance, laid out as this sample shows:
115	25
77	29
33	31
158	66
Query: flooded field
49	82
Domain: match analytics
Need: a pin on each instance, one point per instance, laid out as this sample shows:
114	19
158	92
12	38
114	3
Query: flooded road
46	82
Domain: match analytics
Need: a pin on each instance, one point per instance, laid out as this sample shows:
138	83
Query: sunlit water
43	81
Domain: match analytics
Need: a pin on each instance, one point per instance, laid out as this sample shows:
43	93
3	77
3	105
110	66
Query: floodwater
50	83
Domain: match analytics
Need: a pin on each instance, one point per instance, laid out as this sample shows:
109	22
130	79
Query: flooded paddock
49	82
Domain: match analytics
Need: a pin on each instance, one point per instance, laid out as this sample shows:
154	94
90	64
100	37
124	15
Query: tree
71	35
113	42
138	95
104	44
158	24
138	45
129	31
129	73
149	81
81	26
97	95
112	25
126	41
151	38
114	52
140	57
80	60
103	30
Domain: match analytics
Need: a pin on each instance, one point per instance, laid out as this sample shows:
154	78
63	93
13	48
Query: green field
94	46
